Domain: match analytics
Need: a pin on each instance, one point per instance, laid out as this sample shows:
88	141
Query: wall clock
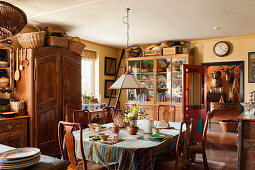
221	48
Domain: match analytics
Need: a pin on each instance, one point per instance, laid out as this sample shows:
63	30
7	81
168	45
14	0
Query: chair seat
91	166
196	147
166	159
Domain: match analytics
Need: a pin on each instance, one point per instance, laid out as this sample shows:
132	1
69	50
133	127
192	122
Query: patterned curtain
89	55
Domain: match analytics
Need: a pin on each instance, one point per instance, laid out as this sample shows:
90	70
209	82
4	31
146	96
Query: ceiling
151	21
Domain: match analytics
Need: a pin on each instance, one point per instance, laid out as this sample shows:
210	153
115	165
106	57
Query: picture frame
251	67
110	65
107	91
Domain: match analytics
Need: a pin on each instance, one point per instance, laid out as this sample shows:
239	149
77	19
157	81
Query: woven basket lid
12	20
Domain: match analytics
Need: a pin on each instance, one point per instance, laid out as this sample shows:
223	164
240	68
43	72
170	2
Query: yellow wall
240	46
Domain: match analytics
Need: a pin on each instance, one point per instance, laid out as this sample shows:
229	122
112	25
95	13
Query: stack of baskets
55	37
52	36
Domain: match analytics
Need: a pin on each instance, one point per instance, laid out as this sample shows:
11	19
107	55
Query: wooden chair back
182	148
82	117
168	112
65	130
108	113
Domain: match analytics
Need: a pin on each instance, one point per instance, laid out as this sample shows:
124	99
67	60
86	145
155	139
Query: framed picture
251	67
107	91
110	66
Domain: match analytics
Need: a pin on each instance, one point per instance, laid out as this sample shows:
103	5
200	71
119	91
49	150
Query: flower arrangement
135	113
88	97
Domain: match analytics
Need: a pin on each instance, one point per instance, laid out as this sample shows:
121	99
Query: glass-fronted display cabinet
161	75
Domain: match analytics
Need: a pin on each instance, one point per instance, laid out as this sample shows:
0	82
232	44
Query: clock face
221	49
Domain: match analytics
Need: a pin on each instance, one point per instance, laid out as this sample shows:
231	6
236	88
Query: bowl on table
103	136
115	129
92	126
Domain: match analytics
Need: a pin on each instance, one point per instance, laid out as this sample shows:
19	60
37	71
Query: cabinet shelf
5	68
143	73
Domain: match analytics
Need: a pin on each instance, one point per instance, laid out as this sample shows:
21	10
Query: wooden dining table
132	152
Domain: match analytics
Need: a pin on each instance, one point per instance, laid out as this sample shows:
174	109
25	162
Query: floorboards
221	147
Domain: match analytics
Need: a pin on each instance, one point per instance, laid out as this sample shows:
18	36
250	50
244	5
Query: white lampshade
127	81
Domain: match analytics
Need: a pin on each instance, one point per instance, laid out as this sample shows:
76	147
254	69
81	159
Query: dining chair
108	113
82	117
181	158
168	115
65	130
199	147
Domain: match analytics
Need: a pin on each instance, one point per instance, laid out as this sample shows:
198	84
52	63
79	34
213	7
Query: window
87	76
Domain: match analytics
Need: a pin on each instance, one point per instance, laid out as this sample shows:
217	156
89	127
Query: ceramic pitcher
148	125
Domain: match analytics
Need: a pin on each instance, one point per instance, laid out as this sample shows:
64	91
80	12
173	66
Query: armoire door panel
71	85
48	99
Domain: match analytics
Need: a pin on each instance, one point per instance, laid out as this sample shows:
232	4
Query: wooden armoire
51	87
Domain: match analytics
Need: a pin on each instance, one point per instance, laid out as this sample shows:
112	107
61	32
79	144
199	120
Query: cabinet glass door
177	65
135	68
143	71
164	80
147	79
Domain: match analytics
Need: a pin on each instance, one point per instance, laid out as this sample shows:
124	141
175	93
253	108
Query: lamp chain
127	24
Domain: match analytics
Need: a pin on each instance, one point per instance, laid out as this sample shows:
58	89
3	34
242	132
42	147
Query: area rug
212	164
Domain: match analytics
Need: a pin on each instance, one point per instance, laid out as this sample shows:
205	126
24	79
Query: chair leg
205	161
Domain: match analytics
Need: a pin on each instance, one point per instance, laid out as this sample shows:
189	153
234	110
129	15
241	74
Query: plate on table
19	153
94	137
158	136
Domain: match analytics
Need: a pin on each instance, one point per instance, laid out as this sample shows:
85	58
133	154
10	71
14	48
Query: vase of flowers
132	115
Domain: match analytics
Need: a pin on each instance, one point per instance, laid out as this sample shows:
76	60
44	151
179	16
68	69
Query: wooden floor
221	147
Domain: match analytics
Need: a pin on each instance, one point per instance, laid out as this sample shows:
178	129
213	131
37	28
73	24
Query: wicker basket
4	64
133	51
54	31
13	20
4	82
188	50
17	106
76	46
32	39
57	41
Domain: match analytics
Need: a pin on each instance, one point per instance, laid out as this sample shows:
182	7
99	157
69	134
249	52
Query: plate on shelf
8	114
161	64
161	77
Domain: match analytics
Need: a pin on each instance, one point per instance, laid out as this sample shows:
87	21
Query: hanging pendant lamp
12	20
127	80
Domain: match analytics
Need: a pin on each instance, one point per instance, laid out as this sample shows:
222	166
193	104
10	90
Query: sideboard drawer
13	131
17	139
12	125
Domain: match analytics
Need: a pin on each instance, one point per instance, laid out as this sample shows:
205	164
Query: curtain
89	55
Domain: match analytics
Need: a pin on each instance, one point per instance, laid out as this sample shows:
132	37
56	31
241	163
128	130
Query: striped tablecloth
134	152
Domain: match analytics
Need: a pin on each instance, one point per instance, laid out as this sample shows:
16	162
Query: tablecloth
134	152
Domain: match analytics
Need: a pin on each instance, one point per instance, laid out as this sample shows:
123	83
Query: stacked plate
19	158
